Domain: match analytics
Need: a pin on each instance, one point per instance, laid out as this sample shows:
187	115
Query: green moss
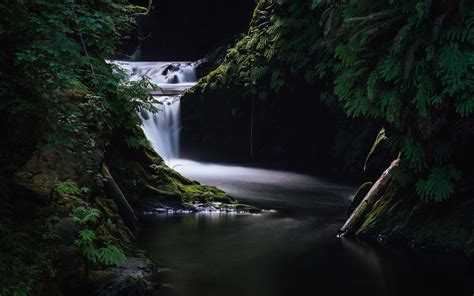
146	180
401	218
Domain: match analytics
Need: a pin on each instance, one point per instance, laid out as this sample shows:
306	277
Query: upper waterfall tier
172	78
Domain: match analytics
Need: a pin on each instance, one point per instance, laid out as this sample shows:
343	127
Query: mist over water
291	251
271	189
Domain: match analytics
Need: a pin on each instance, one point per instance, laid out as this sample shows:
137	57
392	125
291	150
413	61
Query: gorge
269	147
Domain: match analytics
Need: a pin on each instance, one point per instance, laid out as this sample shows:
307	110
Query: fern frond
111	255
439	185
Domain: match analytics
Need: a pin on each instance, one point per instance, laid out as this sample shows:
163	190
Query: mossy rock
147	182
135	276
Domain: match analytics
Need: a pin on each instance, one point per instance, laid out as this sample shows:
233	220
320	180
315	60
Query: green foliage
69	187
111	255
25	261
54	59
439	185
108	254
84	215
411	56
408	64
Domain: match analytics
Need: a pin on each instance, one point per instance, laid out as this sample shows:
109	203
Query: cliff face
268	104
187	30
264	105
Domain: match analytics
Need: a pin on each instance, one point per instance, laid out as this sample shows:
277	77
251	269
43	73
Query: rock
173	79
170	68
134	277
70	268
212	60
66	229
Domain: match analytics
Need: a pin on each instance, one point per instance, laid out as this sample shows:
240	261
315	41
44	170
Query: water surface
290	251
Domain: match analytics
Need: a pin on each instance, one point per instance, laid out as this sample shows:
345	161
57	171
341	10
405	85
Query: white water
160	72
173	78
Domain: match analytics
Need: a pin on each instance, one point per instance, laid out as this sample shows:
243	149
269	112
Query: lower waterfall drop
162	129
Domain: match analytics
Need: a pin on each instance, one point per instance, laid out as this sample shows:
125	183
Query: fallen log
114	192
374	194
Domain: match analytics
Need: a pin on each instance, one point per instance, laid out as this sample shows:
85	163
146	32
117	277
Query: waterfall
162	129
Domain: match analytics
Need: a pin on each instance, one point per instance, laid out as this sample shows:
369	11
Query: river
290	249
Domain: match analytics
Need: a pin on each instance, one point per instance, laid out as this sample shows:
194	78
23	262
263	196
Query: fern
107	255
413	152
465	106
389	68
111	255
86	237
84	215
345	54
67	187
439	185
91	253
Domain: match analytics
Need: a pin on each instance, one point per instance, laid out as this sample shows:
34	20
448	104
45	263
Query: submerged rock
206	207
134	277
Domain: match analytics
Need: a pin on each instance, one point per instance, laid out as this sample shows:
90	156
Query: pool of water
291	249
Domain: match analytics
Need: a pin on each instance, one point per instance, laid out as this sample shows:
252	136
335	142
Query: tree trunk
374	194
114	192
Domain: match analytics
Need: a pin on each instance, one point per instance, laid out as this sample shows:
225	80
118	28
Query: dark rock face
134	277
71	269
66	229
238	114
300	133
187	30
211	61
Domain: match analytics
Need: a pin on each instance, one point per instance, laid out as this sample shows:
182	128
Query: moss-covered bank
400	218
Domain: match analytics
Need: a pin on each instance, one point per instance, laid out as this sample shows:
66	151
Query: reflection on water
293	251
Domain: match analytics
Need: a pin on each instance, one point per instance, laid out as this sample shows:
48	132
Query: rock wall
261	109
187	30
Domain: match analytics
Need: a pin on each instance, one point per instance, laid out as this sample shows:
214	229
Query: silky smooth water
171	80
290	250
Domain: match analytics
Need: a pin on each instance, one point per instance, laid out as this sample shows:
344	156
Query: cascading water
173	79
